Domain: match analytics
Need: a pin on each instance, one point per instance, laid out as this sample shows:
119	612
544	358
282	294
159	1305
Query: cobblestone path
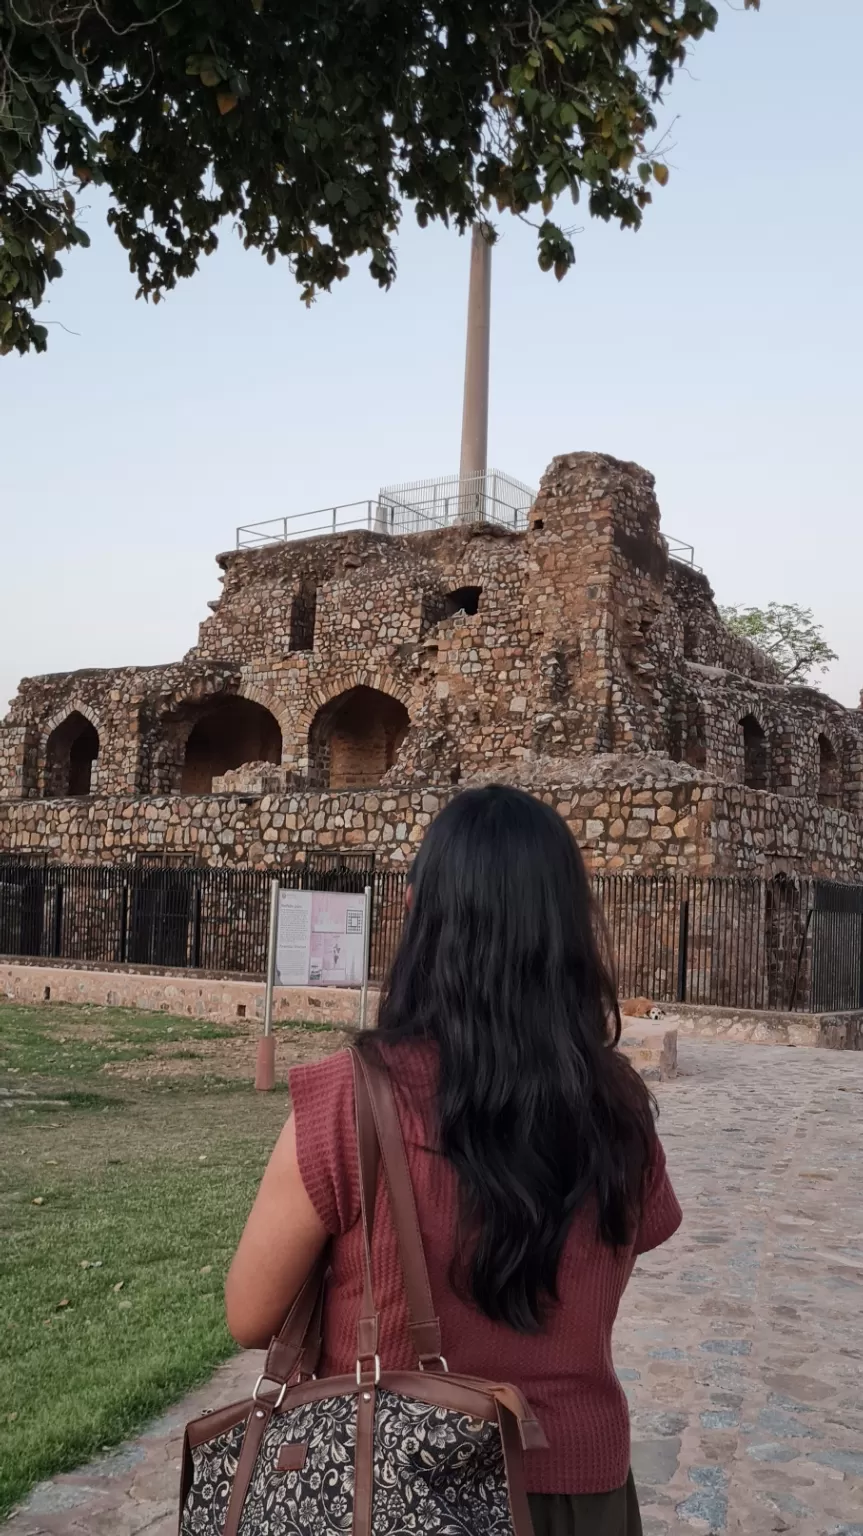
740	1344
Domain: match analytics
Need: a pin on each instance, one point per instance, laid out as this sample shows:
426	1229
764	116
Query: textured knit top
566	1371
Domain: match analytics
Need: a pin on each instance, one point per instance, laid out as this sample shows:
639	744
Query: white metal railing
420	507
487	497
681	551
415	507
348	517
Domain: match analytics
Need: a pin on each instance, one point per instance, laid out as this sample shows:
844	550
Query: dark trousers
587	1514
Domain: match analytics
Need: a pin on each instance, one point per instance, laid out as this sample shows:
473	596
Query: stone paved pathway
740	1343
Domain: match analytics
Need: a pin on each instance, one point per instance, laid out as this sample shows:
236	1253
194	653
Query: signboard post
367	953
316	939
265	1067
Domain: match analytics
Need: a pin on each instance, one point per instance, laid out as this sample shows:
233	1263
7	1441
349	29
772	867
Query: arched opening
829	782
71	751
233	731
756	769
462	600
354	739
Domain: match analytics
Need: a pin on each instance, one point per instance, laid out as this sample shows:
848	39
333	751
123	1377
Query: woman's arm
281	1240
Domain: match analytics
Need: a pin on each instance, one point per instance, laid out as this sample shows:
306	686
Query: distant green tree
309	123
787	633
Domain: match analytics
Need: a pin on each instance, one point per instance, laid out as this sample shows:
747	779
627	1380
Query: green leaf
348	119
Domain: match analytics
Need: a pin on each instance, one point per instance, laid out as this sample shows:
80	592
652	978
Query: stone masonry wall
659	820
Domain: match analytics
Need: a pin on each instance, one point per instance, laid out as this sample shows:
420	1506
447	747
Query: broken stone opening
232	732
462	600
688	743
690	640
756	765
303	612
72	749
829	781
354	739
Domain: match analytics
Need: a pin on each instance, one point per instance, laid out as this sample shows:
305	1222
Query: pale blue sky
721	347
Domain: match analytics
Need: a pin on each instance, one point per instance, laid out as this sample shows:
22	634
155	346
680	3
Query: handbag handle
374	1090
296	1348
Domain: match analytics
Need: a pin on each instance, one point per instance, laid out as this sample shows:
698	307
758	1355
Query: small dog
639	1008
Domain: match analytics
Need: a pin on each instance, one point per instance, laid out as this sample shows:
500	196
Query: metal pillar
474	425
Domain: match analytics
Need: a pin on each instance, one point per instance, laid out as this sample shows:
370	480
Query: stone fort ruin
344	686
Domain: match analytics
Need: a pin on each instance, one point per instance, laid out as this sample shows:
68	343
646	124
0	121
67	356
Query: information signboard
320	939
316	939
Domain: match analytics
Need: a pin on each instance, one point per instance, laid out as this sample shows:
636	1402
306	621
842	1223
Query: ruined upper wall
704	637
437	657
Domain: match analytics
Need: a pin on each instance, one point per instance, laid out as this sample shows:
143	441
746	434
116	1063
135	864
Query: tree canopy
788	633
310	123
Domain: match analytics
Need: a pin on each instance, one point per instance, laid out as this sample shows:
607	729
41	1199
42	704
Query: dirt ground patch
232	1059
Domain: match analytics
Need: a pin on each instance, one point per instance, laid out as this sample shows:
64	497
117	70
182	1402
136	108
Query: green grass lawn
123	1191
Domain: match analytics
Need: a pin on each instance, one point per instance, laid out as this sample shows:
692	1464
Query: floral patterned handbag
379	1453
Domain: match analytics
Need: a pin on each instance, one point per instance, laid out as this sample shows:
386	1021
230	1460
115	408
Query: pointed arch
71	750
354	738
233	731
73	706
381	679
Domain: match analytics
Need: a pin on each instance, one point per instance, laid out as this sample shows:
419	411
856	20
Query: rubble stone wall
652	823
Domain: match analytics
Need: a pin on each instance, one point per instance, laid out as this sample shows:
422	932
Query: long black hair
501	964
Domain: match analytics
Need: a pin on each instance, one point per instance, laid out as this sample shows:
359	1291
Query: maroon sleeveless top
566	1371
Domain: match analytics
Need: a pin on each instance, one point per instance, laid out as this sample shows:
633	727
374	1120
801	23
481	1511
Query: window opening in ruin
71	751
303	612
829	783
462	600
688	737
690	641
355	738
756	774
233	731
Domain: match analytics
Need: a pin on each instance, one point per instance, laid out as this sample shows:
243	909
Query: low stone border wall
200	996
829	1031
191	996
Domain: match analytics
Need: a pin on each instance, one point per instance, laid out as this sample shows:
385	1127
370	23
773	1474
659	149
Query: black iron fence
175	916
779	944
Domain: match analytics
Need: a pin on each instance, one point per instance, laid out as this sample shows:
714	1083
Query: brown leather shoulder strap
368	1159
424	1325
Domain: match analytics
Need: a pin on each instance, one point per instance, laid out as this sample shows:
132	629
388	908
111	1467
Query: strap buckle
435	1363
281	1397
377	1375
